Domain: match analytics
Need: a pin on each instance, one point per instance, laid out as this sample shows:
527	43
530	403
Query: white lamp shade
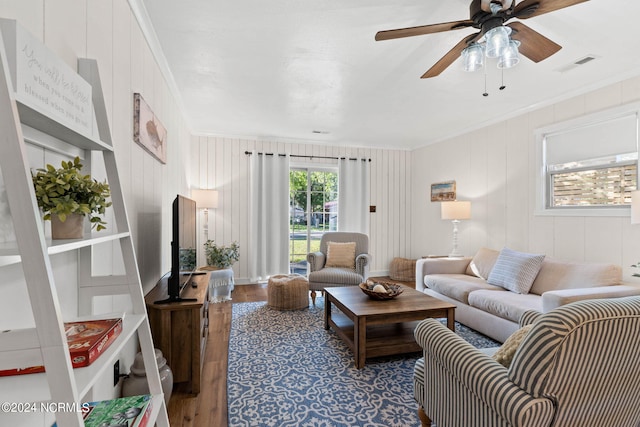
458	209
205	199
635	207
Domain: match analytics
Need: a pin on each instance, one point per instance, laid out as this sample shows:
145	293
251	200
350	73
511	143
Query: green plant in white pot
64	195
220	256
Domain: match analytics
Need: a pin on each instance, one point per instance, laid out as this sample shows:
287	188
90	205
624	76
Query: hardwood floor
209	408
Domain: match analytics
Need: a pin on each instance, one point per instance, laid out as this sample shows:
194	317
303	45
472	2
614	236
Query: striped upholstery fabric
321	277
463	387
586	357
579	366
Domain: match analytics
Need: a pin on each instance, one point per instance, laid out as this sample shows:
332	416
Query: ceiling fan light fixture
473	57
497	40
510	57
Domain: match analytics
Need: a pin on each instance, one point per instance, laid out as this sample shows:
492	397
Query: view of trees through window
313	209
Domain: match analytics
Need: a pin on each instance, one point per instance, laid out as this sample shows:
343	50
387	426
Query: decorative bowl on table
381	291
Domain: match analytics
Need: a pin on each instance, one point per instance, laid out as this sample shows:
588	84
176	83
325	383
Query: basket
393	290
403	269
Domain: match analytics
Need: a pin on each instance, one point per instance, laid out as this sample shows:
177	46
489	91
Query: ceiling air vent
576	63
585	60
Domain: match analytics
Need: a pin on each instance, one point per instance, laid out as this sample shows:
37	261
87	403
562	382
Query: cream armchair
578	366
323	276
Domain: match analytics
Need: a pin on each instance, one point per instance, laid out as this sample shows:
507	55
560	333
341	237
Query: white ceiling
281	69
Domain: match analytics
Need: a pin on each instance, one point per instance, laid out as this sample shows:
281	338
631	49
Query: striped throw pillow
341	255
515	271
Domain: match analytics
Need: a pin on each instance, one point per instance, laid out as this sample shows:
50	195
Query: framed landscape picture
147	129
443	191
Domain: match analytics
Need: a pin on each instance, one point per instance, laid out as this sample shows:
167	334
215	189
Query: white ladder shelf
46	344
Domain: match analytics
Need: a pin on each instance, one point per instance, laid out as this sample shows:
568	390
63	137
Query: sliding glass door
313	210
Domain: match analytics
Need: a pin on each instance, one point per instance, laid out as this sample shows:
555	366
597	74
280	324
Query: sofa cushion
482	263
556	275
515	270
505	304
457	286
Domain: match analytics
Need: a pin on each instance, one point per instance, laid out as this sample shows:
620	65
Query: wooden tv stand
180	329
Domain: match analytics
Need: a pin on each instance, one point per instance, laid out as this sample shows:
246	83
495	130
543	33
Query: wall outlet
116	373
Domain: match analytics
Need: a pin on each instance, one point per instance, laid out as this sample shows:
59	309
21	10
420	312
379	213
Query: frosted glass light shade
456	210
205	199
497	41
510	57
635	207
473	57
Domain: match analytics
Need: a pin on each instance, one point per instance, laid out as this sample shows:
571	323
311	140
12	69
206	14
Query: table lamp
635	207
455	211
205	199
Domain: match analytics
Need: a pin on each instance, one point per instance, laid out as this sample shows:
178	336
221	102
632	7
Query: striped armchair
321	277
578	366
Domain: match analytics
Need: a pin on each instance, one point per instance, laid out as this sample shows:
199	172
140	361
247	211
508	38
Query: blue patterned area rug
285	369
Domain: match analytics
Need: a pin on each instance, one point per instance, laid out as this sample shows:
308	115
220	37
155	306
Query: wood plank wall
221	163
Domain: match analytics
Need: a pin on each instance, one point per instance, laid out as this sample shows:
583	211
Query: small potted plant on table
219	256
66	197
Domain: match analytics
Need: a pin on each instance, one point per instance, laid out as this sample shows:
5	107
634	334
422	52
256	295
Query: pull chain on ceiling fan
495	39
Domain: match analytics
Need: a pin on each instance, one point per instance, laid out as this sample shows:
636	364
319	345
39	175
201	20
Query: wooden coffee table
373	328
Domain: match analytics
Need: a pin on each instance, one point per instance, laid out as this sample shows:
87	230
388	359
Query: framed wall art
443	191
147	129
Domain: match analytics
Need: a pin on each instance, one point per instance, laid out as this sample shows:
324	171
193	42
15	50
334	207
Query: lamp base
454	253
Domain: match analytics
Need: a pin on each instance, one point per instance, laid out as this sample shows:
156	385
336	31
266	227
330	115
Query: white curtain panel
269	216
353	195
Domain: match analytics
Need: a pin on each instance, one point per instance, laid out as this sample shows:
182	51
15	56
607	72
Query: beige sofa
495	311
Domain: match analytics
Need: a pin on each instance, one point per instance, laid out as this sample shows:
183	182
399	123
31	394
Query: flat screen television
183	248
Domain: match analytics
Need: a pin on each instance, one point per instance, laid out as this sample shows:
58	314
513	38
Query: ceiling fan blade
533	45
530	8
423	29
449	57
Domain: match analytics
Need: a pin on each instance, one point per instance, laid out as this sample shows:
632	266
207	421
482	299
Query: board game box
86	339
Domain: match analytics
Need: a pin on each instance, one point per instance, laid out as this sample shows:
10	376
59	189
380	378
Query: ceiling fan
486	15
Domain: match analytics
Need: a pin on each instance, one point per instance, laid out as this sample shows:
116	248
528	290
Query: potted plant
220	256
66	197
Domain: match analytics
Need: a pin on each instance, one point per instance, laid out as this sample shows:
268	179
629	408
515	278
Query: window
313	210
589	166
601	183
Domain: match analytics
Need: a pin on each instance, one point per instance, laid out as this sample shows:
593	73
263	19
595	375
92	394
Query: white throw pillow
515	271
482	263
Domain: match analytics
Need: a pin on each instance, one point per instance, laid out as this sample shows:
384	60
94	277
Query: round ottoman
288	292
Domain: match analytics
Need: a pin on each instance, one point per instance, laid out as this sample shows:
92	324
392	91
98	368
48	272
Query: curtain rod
308	157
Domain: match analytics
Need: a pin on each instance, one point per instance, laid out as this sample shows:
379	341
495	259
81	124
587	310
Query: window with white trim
589	165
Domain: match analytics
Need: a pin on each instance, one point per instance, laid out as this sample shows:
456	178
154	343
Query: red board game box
86	339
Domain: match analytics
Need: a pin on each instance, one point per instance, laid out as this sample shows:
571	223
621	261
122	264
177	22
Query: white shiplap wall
221	163
495	168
